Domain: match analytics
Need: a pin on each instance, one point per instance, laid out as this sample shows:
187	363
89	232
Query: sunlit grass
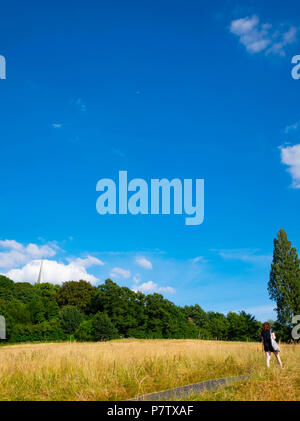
119	370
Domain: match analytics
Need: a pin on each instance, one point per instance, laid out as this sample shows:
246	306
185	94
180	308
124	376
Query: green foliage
197	314
102	328
218	325
284	282
45	331
124	307
7	288
166	320
243	327
84	333
47	290
25	292
283	332
14	312
32	314
70	318
77	294
37	310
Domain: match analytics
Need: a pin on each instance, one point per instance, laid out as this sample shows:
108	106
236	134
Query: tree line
80	311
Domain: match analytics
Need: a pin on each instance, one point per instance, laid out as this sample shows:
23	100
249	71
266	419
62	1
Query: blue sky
159	89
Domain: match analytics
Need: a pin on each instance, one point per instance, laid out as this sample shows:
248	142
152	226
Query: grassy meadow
123	369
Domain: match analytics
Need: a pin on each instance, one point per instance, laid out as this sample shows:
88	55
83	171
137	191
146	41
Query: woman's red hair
266	326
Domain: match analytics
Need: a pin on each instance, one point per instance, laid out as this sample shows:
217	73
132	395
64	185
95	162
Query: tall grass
119	370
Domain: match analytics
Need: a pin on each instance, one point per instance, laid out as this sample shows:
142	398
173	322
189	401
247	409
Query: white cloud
56	125
53	272
250	34
11	244
119	272
87	262
290	155
149	287
16	253
22	263
257	37
245	255
143	262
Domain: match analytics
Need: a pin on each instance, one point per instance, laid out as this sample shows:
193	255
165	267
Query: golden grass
123	369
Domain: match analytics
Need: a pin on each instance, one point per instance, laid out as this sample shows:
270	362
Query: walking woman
270	345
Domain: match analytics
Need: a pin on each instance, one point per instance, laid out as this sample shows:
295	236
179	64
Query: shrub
46	331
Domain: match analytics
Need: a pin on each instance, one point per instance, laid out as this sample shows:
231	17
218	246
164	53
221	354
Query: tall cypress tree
284	282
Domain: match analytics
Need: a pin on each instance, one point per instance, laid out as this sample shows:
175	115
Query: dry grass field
124	369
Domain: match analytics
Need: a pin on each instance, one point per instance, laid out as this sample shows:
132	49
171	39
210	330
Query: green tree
284	282
158	316
197	314
47	293
77	294
14	312
217	325
70	318
125	308
102	328
85	331
7	288
243	327
37	310
47	290
25	292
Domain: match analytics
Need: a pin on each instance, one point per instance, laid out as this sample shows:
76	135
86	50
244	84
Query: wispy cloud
263	37
87	261
150	287
143	262
290	156
120	273
245	255
292	127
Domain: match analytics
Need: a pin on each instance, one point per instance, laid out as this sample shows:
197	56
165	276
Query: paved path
184	391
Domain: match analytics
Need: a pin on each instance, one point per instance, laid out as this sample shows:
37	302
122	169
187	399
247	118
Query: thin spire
39	281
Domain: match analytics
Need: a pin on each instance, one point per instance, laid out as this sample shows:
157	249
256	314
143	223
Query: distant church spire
39	281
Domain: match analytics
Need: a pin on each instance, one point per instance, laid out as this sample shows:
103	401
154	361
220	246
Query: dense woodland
80	311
